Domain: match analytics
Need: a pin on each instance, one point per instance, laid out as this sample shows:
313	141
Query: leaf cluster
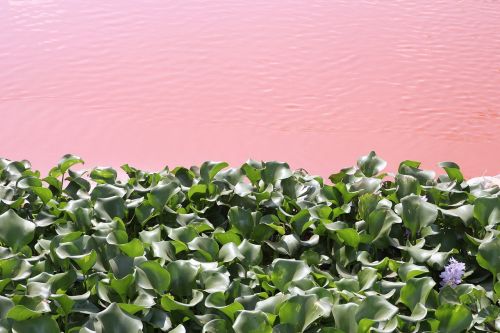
259	248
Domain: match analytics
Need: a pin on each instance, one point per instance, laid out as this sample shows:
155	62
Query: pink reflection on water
314	83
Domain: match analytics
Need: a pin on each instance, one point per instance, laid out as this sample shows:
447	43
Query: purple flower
453	273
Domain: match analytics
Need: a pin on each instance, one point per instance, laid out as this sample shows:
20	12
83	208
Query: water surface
316	83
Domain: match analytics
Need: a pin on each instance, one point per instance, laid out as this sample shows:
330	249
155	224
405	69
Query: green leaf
229	252
122	286
109	208
274	171
380	222
43	193
216	326
252	322
418	213
184	175
488	255
68	161
38	289
144	212
487	210
371	165
149	236
62	281
183	234
15	231
161	194
345	317
224	237
415	291
44	324
134	248
242	220
169	303
411	168
114	320
21	313
288	270
157	276
183	277
197	191
419	313
63	302
86	262
28	182
103	175
252	253
365	185
348	284
453	171
375	308
252	169
158	319
300	311
418	253
350	236
130	308
407	271
217	301
54	183
106	191
215	280
301	221
367	203
367	277
407	185
209	169
207	247
5	305
453	318
465	213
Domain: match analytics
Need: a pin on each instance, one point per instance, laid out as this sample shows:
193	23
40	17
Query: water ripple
230	80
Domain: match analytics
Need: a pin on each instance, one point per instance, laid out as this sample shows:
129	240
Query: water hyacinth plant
259	248
453	273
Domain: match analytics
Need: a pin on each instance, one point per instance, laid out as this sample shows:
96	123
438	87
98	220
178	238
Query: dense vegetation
253	249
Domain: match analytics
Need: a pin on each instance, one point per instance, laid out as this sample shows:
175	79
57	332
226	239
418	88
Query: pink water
314	83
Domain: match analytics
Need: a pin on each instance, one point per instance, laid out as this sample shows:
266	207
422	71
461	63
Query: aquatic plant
453	273
259	248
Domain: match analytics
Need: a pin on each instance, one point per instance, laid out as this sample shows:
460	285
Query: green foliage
15	231
260	248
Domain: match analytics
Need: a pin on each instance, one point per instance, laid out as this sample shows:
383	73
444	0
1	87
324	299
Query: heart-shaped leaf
288	270
487	210
183	277
115	320
488	255
453	318
67	161
370	165
252	322
375	308
157	276
43	324
242	220
416	291
300	311
417	213
15	231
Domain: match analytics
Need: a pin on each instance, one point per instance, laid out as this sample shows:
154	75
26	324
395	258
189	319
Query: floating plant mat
255	249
